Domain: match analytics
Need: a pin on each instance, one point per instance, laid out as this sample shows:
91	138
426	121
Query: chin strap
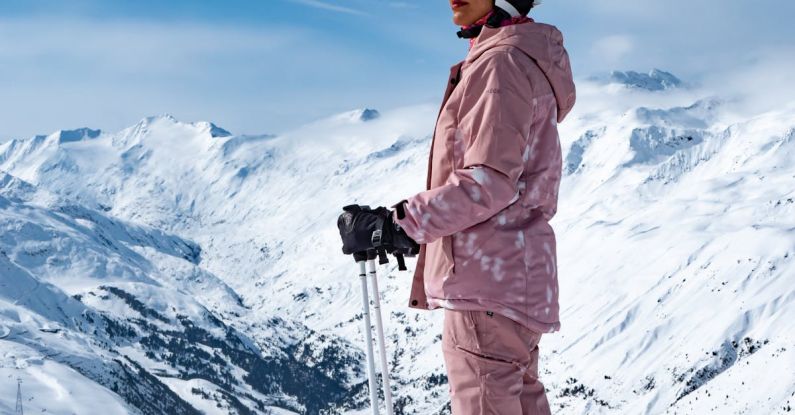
498	16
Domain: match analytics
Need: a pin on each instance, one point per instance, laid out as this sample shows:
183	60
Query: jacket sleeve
494	124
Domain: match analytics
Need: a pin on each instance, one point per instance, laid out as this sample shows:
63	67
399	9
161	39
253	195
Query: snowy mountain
128	307
180	261
654	80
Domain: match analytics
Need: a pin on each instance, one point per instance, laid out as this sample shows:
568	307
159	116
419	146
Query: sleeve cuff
400	211
408	223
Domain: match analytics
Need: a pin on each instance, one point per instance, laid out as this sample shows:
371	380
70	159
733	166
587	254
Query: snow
51	387
655	80
674	232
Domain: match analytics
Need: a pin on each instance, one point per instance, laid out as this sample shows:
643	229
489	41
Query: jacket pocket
482	339
488	359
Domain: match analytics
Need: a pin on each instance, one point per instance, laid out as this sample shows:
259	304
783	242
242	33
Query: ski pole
379	325
368	335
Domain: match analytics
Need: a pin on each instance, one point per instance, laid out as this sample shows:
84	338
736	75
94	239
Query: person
486	250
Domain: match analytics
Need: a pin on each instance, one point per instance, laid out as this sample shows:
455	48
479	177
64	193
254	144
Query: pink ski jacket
493	178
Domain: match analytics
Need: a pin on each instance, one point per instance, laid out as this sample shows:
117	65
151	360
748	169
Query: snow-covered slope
675	232
127	307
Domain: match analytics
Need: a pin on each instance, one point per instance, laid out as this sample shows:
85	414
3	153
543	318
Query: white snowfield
174	267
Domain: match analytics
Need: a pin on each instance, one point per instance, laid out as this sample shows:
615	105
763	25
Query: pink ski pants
492	365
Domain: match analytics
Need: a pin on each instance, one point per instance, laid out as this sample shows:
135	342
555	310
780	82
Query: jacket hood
544	44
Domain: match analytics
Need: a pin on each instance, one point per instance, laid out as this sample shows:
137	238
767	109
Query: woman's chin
462	19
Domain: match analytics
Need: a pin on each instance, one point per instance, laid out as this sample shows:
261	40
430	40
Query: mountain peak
214	130
152	119
205	126
360	115
68	136
654	80
368	114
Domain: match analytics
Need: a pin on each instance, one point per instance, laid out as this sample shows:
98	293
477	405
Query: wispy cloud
328	6
402	5
613	48
252	73
67	73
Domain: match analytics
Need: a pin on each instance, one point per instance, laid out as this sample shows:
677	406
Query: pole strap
401	262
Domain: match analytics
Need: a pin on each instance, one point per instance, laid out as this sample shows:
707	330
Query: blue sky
270	65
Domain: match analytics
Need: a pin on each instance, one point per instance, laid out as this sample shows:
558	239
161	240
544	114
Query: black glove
398	239
362	229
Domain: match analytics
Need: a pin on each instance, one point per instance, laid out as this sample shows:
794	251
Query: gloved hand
362	228
399	241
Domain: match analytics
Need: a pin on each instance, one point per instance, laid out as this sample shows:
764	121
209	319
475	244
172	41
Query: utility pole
18	409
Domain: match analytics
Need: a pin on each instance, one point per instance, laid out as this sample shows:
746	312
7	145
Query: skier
486	250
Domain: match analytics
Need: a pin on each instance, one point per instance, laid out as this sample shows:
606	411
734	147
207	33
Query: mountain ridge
675	238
